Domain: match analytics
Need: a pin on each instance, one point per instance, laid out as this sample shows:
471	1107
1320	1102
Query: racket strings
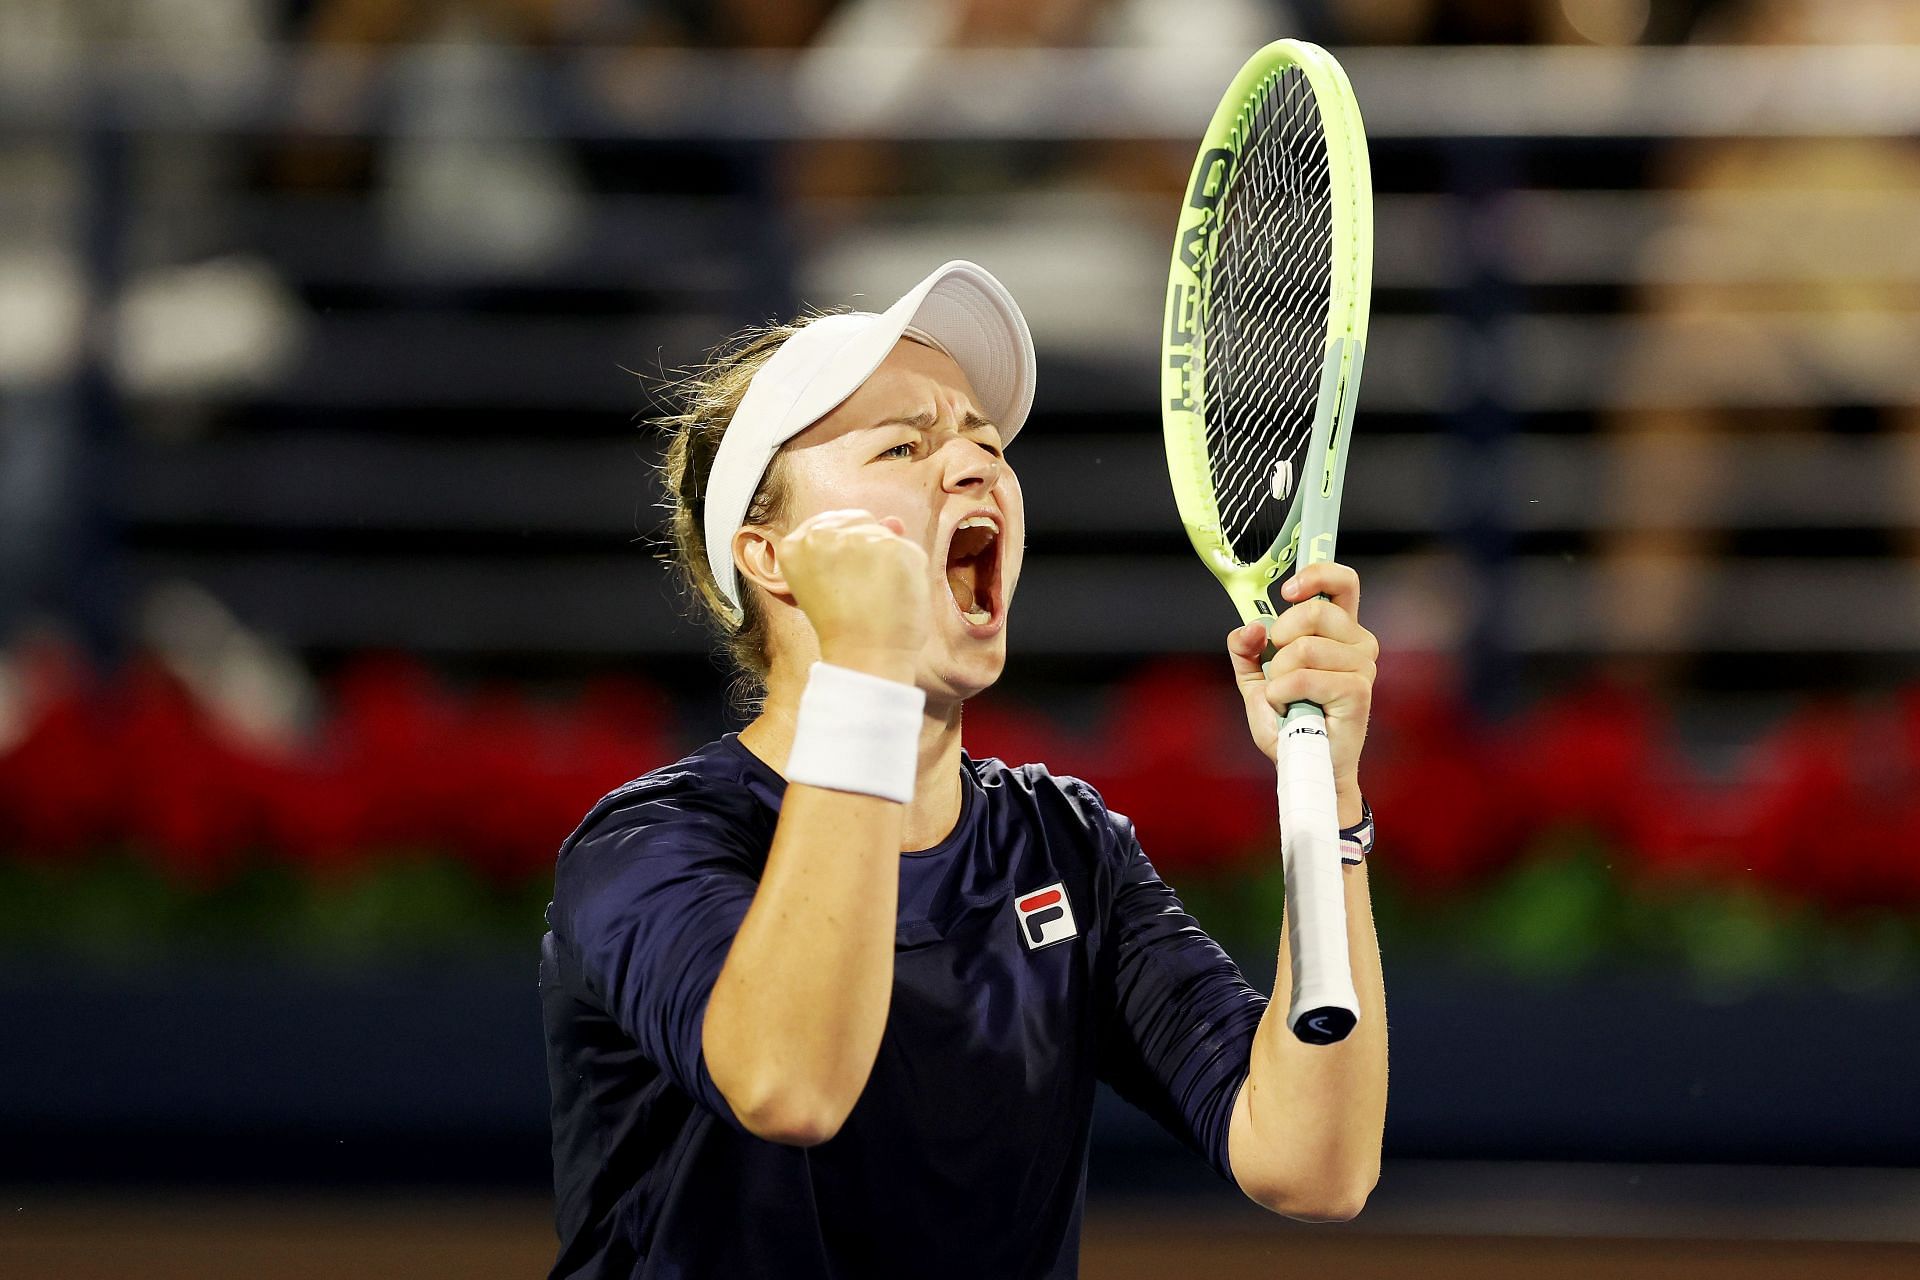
1264	324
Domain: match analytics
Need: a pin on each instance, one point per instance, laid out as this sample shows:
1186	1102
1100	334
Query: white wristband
857	732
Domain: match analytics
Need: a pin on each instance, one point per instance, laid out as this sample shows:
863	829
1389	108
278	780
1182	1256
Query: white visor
960	309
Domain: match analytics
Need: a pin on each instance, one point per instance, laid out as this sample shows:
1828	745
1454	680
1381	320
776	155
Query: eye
895	452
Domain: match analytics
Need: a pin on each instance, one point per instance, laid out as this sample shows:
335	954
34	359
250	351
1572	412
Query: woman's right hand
863	586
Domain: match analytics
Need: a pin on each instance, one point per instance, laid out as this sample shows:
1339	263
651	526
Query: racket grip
1324	1005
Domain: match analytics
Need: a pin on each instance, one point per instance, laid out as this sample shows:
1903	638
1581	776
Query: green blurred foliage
1570	912
120	909
1565	913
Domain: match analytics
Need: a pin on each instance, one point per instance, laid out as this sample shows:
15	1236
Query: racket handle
1325	1006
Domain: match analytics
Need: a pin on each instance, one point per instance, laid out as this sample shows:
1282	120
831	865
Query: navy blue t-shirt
1037	951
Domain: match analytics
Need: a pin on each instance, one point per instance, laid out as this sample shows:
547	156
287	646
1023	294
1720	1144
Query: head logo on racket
1045	916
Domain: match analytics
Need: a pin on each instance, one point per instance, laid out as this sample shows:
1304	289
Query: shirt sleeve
648	896
1179	1019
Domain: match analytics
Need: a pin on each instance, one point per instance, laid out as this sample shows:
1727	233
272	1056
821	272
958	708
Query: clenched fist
862	585
1322	654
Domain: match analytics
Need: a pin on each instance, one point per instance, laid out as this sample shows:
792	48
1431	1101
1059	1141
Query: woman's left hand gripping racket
1266	322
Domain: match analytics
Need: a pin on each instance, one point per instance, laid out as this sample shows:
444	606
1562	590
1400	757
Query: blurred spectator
744	24
1078	227
1776	296
465	121
153	221
1456	22
474	113
117	275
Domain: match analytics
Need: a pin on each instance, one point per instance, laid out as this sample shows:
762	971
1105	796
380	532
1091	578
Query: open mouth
973	568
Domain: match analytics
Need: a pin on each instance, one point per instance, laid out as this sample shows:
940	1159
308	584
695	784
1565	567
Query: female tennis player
830	997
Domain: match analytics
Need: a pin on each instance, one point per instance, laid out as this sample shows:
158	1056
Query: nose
970	467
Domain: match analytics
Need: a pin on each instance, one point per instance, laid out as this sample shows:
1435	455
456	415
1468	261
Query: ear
756	558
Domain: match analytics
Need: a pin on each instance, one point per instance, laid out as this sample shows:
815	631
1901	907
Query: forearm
1317	1112
794	1022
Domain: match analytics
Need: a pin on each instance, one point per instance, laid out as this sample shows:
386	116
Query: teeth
975	522
978	617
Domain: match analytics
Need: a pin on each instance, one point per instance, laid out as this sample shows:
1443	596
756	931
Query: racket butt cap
1329	1025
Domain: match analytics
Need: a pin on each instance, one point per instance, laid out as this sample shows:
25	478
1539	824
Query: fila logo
1046	917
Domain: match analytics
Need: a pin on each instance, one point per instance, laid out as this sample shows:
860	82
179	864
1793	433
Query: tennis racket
1265	326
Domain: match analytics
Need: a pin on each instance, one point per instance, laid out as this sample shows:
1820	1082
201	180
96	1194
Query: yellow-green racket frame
1313	519
1324	1006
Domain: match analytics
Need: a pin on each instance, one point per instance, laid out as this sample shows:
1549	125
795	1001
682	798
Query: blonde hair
709	397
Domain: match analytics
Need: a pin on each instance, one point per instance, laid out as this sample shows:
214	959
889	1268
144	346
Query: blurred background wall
330	594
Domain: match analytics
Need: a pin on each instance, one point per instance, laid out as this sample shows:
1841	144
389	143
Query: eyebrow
924	420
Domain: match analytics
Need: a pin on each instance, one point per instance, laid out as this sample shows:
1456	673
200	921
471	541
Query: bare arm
794	1021
1306	1130
1305	1136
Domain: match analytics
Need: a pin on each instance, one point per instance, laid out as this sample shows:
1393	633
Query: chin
958	677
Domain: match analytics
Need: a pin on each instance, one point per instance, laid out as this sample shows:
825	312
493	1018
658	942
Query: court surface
214	1236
